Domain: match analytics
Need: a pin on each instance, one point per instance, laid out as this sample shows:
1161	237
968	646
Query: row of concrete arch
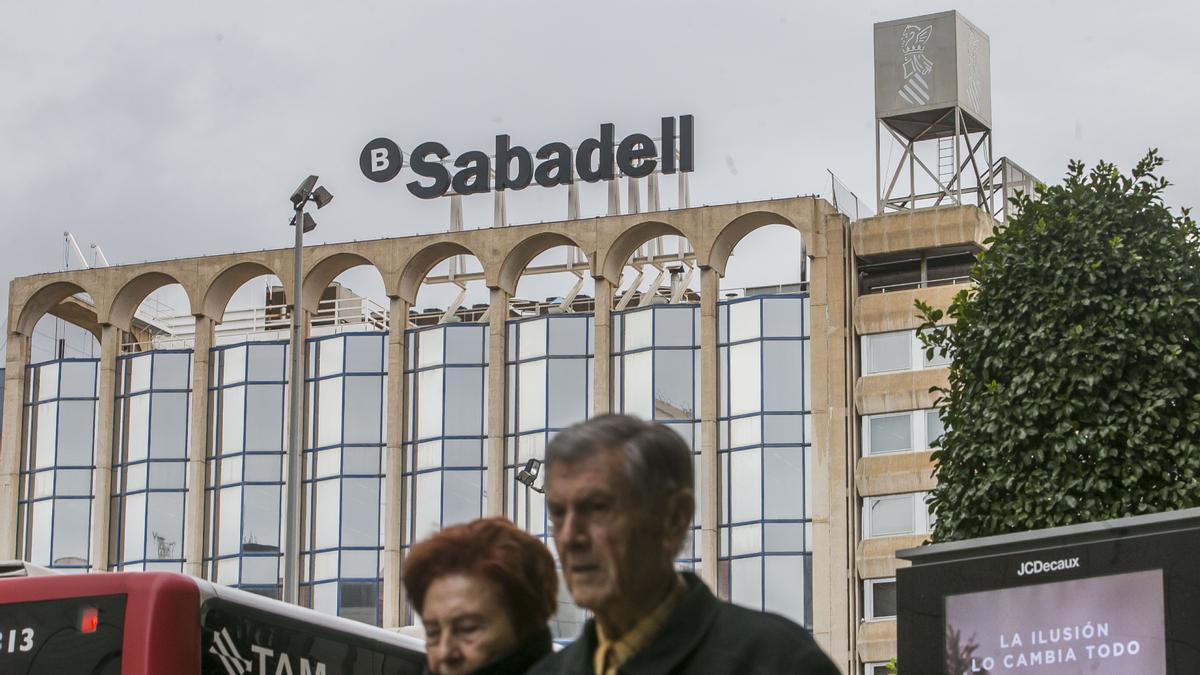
404	262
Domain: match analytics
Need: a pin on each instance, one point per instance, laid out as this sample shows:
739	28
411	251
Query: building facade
809	411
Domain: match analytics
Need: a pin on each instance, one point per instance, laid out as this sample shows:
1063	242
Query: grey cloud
164	131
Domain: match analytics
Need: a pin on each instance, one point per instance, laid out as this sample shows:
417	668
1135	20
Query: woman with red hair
484	591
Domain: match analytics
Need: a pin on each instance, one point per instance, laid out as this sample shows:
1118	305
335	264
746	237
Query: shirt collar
611	654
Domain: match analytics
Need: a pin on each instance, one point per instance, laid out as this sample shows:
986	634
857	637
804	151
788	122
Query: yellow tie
604	661
607	665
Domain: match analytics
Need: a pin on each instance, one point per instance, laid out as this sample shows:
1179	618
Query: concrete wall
924	230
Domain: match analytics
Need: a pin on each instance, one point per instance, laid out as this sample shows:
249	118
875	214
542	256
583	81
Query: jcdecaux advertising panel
1110	598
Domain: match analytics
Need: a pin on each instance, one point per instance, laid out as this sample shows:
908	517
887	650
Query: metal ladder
945	164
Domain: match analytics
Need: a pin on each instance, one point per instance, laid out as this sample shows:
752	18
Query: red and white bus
159	623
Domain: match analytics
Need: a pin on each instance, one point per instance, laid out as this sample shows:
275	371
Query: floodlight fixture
303	192
322	196
529	474
309	223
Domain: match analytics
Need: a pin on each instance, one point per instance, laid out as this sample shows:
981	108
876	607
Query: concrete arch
627	242
42	301
426	259
734	231
323	273
226	283
527	249
131	295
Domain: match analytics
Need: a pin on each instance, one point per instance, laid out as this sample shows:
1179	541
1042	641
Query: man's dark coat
706	636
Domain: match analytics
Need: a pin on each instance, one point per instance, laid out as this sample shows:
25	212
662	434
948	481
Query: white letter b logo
379	160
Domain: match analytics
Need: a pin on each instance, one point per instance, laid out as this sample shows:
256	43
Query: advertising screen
1106	625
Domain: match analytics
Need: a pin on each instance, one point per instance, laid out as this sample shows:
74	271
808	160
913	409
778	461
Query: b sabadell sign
592	160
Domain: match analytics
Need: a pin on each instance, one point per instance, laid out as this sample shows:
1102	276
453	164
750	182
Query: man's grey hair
658	462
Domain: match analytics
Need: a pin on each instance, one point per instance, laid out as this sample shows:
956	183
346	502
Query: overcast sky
164	130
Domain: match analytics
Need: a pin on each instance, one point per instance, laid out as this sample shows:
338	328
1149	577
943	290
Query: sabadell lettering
1030	567
594	159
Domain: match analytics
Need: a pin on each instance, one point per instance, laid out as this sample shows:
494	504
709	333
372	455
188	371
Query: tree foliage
1074	389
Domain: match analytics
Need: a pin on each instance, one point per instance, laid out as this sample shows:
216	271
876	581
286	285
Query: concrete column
710	475
15	362
497	393
110	347
833	518
602	348
500	212
197	477
395	501
573	200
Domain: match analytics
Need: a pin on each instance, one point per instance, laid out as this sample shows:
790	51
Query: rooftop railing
1009	179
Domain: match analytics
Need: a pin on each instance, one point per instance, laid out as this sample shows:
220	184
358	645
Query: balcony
965	227
903	390
896	310
894	473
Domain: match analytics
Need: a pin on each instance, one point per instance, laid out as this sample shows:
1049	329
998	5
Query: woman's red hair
497	550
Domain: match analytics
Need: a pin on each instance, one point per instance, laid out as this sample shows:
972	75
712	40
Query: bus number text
16	640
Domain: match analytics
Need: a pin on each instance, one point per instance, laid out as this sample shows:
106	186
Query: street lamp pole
291	547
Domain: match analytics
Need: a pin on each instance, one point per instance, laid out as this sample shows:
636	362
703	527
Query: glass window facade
934	427
656	375
549	368
897	351
343	467
248	436
879	599
765	454
901	432
896	515
150	461
549	364
446	379
887	352
763	420
57	464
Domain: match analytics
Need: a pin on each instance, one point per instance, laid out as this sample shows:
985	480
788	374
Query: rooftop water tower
933	103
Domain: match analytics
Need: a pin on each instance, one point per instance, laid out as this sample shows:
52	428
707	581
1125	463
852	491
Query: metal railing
257	323
845	201
1009	179
911	285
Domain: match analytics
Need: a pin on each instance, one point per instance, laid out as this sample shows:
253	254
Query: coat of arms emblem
917	67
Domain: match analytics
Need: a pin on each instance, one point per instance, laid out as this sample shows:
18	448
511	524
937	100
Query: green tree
1074	389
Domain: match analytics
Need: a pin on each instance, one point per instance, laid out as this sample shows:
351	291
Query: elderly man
619	492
